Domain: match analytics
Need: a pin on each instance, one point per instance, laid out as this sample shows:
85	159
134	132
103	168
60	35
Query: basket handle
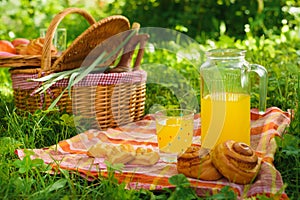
125	60
46	53
143	38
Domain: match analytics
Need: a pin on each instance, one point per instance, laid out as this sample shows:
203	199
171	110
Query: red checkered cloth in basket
71	154
22	81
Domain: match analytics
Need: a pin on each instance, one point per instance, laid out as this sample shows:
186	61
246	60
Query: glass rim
163	112
61	28
226	52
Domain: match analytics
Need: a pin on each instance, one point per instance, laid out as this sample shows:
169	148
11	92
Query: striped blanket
71	154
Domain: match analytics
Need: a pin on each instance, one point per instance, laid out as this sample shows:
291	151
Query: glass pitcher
225	96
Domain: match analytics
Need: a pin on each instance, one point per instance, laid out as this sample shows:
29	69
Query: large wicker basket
113	98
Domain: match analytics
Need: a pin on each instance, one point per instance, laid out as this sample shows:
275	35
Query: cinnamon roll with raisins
236	161
196	162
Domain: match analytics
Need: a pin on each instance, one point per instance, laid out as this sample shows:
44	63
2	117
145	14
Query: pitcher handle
263	81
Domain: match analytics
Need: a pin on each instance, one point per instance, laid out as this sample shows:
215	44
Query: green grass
287	156
28	179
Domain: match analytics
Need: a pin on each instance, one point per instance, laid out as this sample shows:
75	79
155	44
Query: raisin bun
196	162
236	161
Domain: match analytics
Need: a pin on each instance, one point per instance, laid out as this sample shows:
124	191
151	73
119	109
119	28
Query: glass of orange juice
174	129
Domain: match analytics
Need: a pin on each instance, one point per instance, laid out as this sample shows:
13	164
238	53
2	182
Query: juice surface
225	117
175	134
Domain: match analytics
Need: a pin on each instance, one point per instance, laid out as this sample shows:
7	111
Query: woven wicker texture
111	105
107	102
85	43
23	61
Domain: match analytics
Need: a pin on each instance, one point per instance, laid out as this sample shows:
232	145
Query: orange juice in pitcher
235	117
225	96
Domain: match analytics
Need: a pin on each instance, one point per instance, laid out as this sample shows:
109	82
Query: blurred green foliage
199	19
24	18
204	19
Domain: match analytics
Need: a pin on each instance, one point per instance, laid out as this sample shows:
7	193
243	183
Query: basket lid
74	55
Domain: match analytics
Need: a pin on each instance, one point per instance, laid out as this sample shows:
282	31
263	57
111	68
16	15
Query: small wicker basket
113	98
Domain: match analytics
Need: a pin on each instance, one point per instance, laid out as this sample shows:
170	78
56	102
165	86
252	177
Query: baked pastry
35	47
144	156
196	162
124	153
236	161
121	154
98	150
22	49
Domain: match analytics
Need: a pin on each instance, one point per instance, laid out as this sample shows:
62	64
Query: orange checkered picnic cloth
71	154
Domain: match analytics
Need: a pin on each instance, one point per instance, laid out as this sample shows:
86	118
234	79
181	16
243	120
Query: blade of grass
51	76
53	104
103	59
71	80
85	72
56	77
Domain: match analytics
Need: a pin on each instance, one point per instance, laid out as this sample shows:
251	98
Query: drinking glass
59	39
174	129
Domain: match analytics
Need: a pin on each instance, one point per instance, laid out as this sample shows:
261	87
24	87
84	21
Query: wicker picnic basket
113	98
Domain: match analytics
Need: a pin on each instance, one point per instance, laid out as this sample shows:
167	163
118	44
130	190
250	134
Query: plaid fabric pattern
108	79
22	81
71	154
